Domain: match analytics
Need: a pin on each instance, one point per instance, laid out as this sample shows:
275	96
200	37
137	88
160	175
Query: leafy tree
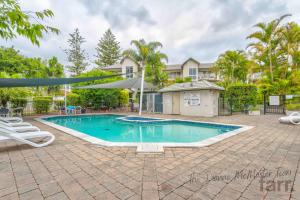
267	43
108	50
76	55
11	61
232	66
14	21
54	70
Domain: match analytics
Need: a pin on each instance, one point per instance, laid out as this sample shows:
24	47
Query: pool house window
129	72
193	73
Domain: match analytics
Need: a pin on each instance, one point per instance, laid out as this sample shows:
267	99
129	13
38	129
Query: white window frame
193	76
129	71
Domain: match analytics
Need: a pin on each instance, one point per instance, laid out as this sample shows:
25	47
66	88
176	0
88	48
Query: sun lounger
11	119
8	134
13	124
21	128
293	118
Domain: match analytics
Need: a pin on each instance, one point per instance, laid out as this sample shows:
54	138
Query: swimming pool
110	129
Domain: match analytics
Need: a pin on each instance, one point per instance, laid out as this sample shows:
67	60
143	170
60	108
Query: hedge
41	104
18	102
241	96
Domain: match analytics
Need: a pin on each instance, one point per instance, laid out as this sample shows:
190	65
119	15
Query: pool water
109	128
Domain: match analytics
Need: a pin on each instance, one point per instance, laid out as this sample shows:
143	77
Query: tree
290	47
232	66
108	98
108	50
267	43
155	70
143	54
14	21
54	70
76	55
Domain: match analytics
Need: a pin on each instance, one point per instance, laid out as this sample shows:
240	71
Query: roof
169	67
173	67
131	83
200	85
190	59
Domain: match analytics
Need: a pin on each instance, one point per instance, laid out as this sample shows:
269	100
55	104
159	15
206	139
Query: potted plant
254	110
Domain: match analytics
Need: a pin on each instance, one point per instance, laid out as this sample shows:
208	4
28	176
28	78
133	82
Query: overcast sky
187	28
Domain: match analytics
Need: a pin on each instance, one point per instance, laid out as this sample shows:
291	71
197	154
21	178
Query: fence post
265	103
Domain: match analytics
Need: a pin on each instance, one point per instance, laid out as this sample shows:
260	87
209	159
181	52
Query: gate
224	107
274	104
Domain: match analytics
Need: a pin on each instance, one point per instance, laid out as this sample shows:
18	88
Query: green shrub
124	97
241	96
18	102
41	104
73	99
293	107
59	104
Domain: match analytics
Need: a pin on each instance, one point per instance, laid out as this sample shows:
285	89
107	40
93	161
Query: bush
124	98
97	98
73	99
59	104
241	96
41	104
18	102
295	107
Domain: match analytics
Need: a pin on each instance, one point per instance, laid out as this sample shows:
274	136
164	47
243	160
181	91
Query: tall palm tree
268	39
143	53
290	45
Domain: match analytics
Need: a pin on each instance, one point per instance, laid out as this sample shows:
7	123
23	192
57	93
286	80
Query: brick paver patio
71	168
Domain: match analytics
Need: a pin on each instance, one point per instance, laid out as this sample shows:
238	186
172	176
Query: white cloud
199	29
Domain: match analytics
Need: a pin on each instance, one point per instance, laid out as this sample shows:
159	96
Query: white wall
128	62
186	66
208	103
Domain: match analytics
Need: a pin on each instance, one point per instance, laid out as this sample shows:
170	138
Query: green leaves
108	50
14	21
76	55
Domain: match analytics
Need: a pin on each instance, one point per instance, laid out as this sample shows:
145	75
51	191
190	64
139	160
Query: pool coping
97	141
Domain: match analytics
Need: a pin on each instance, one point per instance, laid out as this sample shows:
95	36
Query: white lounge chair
293	118
11	119
13	122
8	134
21	128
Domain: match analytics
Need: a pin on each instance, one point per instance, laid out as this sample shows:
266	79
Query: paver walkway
231	169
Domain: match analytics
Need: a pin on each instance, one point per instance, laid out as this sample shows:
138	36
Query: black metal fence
274	104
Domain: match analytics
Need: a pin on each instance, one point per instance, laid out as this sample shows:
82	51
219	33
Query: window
193	72
129	72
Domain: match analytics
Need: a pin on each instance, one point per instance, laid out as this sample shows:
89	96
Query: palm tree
268	39
233	66
290	45
143	53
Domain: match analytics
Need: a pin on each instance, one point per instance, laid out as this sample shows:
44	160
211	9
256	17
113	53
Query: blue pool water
110	128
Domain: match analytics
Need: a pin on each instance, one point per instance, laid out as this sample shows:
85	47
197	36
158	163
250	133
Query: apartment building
189	68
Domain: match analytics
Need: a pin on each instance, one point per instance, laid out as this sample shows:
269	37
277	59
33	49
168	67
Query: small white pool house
191	99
